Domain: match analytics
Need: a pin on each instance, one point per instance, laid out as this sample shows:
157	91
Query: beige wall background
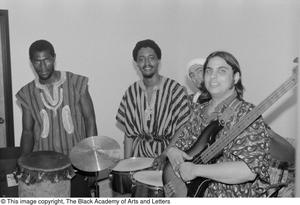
96	37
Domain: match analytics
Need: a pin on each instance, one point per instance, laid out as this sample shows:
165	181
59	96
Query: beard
150	75
146	74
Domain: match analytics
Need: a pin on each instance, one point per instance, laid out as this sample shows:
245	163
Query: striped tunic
58	120
152	125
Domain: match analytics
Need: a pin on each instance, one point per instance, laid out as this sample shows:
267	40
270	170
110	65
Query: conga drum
121	175
147	183
45	174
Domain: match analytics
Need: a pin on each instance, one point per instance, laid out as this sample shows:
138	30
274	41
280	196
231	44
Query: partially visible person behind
153	108
242	168
195	75
57	109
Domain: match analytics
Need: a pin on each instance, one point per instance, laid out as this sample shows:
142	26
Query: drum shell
45	174
140	189
121	177
121	182
147	183
45	189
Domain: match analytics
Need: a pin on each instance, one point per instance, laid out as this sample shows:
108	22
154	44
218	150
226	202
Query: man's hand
159	161
187	171
176	157
169	190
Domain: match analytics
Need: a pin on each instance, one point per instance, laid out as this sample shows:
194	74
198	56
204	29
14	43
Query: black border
10	138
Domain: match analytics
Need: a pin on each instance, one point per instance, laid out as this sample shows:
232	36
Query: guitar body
196	187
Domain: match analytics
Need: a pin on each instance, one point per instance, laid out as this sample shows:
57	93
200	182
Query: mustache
150	66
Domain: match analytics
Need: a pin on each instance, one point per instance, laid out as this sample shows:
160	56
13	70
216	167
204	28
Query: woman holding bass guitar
240	169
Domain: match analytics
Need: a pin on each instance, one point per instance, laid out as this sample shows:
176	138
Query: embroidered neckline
149	110
53	107
55	84
156	87
50	102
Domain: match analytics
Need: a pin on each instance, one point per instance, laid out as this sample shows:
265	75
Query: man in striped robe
152	109
57	108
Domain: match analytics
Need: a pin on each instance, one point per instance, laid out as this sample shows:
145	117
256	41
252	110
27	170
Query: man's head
195	71
42	57
148	43
41	45
147	55
220	63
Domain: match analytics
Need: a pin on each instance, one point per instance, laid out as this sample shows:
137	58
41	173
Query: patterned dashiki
152	125
195	99
59	124
251	146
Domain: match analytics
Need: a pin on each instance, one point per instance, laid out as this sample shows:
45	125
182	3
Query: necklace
52	102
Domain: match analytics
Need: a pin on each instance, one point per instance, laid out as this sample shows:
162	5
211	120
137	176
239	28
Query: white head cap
195	63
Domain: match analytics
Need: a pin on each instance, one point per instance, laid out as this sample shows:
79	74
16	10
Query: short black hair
145	44
41	45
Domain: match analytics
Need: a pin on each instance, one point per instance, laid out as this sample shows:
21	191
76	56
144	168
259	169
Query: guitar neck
223	141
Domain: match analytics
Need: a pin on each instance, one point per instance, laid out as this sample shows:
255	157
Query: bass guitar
206	149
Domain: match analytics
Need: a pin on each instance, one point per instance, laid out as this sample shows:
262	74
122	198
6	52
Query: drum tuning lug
69	176
133	188
27	179
56	179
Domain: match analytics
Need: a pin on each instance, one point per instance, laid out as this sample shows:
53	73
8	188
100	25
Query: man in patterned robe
152	109
57	108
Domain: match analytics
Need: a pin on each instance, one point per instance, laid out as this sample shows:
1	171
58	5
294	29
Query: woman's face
219	79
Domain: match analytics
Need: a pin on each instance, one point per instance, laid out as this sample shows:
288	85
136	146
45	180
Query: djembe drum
45	174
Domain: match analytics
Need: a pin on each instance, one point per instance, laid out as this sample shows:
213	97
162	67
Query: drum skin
148	183
121	175
45	174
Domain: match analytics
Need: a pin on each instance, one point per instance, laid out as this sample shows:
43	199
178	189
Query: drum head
46	161
133	164
149	177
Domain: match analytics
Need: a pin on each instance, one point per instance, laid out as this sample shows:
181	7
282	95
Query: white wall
96	38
